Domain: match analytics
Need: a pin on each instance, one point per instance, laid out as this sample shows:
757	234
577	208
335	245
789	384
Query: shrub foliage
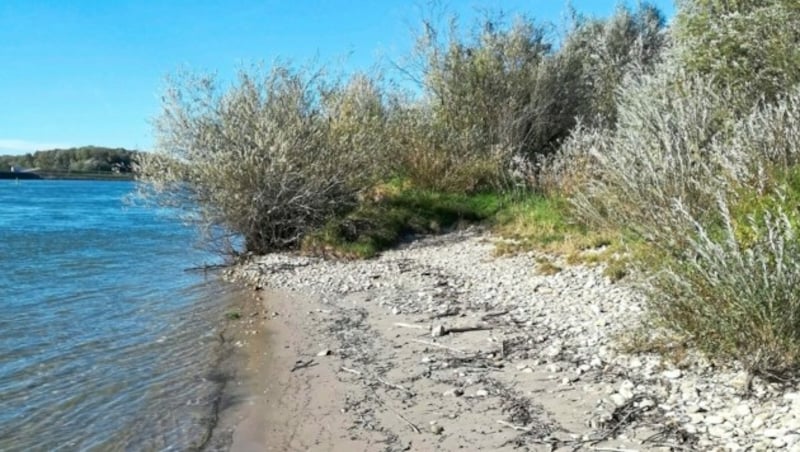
269	159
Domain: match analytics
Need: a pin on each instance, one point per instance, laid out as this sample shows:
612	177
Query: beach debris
301	364
455	392
441	330
434	344
436	429
324	352
518	428
449	312
408	325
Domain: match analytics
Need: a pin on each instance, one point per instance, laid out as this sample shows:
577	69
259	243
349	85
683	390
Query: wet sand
282	397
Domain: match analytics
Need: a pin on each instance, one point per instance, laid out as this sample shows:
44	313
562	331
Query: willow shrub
678	171
751	46
269	158
501	97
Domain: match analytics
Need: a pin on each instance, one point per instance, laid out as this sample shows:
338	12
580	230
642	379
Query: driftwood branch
490	315
379	380
448	313
352	371
395	386
434	344
408	325
518	428
302	365
467	329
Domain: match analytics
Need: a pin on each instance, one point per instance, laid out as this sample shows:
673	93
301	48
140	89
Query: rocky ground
441	345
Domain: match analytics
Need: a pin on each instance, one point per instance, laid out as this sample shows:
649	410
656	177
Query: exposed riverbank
440	345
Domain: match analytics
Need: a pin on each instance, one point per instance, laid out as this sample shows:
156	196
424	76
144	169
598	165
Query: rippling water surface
105	340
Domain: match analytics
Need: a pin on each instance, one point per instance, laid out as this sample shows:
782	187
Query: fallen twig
408	325
672	446
395	386
466	329
518	428
302	365
352	371
448	313
490	315
434	344
396	413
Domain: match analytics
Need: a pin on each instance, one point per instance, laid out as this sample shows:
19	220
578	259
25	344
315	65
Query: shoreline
441	345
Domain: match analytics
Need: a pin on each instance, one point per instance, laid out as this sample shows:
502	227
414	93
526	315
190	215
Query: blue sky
80	72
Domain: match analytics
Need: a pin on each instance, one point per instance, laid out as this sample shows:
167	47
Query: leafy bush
750	46
502	97
697	181
609	50
439	158
659	151
736	302
270	158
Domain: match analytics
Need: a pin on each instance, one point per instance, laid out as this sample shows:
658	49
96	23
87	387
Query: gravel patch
562	328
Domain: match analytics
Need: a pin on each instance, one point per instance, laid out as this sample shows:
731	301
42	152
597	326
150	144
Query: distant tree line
82	159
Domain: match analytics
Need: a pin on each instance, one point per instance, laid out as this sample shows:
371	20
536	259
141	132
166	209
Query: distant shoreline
58	175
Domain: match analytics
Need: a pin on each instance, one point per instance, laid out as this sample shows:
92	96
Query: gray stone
438	331
792	439
760	420
719	431
324	352
742	410
773	432
553	368
618	399
552	351
455	392
626	392
714	419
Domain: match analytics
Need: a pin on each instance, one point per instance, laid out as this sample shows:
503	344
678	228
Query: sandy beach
441	345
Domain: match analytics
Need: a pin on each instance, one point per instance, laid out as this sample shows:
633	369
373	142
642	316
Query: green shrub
695	181
499	99
659	152
750	46
609	50
736	301
269	159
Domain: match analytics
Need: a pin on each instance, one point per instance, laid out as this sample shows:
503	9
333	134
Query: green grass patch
395	212
543	223
233	315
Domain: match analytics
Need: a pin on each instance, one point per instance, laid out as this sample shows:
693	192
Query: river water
107	342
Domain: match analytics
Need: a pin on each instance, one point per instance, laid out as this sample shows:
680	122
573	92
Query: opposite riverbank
441	345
